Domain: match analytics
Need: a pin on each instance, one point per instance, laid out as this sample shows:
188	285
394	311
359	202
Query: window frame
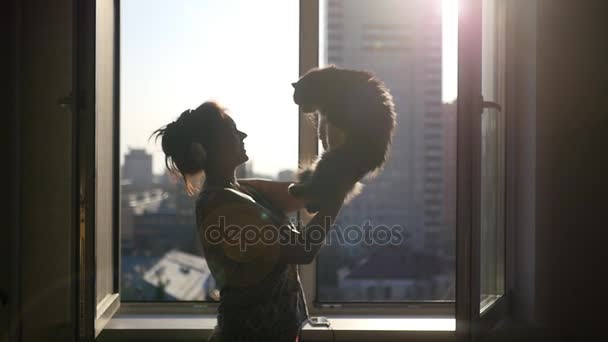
132	317
95	105
307	150
471	322
498	308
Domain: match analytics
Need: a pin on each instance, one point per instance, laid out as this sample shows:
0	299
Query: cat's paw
298	190
303	191
305	176
313	207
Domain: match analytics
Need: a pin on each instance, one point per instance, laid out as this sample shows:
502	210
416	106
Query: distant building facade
400	41
137	167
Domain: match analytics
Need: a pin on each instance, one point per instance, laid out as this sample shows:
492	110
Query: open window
448	159
96	110
482	195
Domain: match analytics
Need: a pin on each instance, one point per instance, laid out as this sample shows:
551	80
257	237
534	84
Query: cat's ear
294	84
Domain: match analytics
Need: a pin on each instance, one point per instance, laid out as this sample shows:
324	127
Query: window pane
492	161
412	46
174	56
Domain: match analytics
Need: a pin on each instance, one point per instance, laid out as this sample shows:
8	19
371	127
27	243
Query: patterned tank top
273	309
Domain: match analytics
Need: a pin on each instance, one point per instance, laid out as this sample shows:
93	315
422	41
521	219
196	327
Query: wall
571	164
560	91
43	44
521	93
8	171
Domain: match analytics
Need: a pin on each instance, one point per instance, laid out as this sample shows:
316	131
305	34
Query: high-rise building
138	167
449	174
400	41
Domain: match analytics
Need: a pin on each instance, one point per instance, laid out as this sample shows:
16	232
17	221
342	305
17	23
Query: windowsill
350	327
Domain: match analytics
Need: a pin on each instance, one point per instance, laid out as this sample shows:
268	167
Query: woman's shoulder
235	206
212	198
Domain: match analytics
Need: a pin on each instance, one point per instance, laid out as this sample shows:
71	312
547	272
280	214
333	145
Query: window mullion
307	137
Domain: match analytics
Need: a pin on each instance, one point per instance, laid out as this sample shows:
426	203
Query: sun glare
450	7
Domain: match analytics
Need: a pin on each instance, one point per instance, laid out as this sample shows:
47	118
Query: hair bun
199	155
171	142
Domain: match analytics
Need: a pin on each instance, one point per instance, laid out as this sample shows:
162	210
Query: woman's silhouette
250	246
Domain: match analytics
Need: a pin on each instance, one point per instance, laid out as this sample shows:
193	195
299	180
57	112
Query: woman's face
231	148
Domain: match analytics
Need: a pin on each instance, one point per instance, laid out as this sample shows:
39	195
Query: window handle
490	104
66	101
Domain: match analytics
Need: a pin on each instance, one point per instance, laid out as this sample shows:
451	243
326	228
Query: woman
251	248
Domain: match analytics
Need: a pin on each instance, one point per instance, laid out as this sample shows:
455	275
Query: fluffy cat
356	123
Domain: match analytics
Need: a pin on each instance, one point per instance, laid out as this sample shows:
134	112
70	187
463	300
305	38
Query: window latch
491	105
65	101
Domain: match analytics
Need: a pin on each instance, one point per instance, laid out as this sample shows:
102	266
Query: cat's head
309	90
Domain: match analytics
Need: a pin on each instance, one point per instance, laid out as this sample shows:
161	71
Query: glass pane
176	55
492	162
411	45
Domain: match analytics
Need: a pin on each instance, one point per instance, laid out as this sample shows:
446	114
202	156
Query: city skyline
167	67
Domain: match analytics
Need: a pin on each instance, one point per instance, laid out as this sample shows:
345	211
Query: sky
177	54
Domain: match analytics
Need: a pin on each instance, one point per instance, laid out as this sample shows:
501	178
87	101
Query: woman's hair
189	142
